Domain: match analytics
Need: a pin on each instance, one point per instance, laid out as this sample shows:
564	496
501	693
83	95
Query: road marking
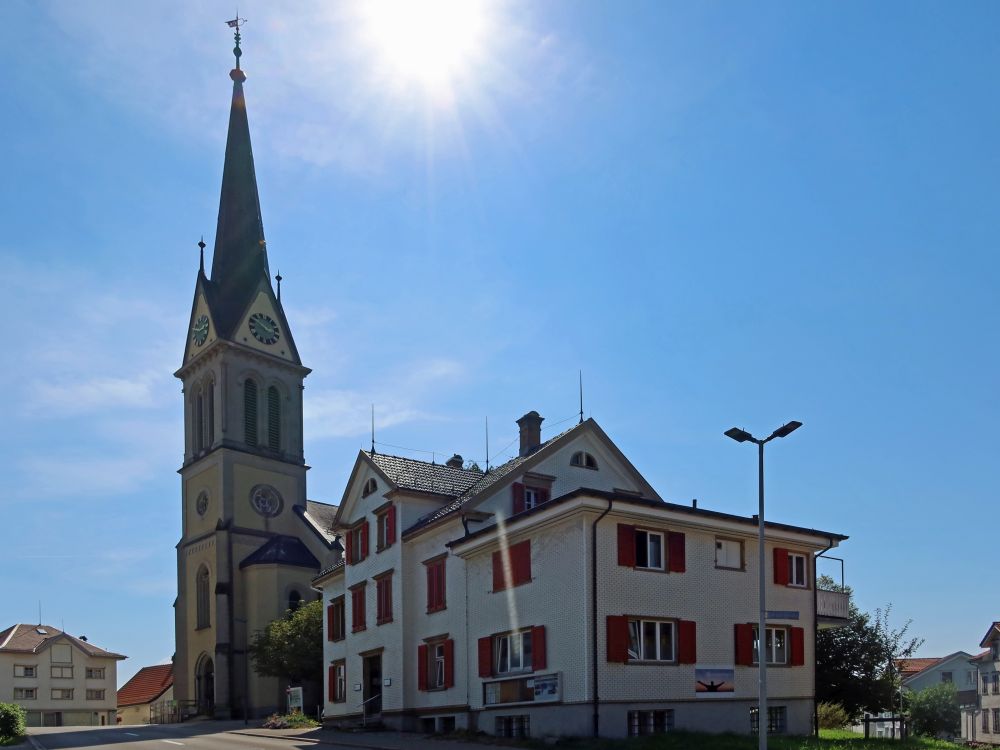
172	742
132	734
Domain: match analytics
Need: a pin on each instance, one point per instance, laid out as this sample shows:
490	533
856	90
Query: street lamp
742	436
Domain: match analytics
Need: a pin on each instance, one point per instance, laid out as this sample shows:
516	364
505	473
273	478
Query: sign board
782	614
714	682
294	700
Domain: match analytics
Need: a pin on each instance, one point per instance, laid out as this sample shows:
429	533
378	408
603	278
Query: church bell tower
246	553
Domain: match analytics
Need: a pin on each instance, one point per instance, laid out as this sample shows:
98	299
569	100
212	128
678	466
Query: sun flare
431	43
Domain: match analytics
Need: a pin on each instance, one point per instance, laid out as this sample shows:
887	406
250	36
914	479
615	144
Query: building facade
58	679
148	698
250	541
558	594
981	719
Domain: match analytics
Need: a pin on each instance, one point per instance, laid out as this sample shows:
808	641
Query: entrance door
373	684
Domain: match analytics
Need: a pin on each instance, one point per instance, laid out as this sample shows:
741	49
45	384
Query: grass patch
11	741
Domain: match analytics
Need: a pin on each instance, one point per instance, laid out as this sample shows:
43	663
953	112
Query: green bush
289	721
934	711
832	716
11	720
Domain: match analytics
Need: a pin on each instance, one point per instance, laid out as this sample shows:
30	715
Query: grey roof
321	515
329	569
282	550
424	476
32	638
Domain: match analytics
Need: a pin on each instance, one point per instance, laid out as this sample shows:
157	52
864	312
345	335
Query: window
370	486
383	598
986	684
513	652
996	719
385	528
946	677
648	549
358	608
357	543
729	554
250	412
996	683
335	630
583	459
61	653
435	585
338	682
62	673
526	498
62	694
95	673
95	695
210	415
970	677
294	601
512	566
791	568
775	646
199	422
25	670
512	726
25	694
650	722
273	419
797	569
776	720
203	600
650	640
986	721
995	650
436	667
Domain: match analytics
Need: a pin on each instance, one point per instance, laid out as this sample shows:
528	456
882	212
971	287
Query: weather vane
235	24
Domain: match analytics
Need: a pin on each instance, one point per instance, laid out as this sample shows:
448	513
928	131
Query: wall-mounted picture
714	681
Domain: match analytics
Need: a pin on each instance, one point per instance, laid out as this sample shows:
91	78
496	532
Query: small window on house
250	412
25	670
357	543
358	620
199	422
996	683
338	682
512	566
513	652
62	673
62	694
729	554
273	419
946	677
370	486
61	653
385	528
797	568
775	646
437	664
203	598
650	722
210	414
95	673
383	599
435	585
648	549
531	498
513	726
294	601
436	667
651	640
25	694
777	720
584	460
95	694
335	624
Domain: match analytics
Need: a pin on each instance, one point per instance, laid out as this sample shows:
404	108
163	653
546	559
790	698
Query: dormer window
583	460
370	486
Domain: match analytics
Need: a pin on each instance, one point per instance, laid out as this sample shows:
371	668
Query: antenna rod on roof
581	396
373	430
39	613
487	445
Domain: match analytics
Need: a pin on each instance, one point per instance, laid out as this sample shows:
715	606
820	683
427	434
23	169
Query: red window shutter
518	497
520	562
744	644
617	638
349	552
781	566
798	647
329	622
449	663
486	657
538	656
440	602
544	496
687	648
676	552
626	545
364	540
422	666
498	579
390	525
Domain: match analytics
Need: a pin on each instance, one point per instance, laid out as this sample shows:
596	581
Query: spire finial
236	23
201	254
278	279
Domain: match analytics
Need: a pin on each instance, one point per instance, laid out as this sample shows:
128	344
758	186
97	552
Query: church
251	540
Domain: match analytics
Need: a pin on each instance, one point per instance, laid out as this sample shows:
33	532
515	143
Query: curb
312	740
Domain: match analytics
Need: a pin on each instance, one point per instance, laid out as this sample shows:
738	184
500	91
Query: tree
934	711
856	665
11	721
292	646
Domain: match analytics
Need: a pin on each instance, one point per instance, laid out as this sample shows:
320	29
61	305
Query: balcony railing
832	604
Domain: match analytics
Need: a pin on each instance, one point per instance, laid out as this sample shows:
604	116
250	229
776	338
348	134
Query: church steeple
240	258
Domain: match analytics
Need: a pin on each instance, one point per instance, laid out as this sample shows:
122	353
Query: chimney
531	432
455	462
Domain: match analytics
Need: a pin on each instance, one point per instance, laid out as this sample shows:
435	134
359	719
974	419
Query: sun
433	44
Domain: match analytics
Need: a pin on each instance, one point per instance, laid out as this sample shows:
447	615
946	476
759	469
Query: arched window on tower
294	601
273	419
203	598
250	412
210	416
199	422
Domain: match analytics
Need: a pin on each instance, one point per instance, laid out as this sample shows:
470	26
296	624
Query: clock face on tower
199	331
263	328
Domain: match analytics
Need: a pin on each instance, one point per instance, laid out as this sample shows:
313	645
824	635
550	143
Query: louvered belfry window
273	419
210	420
199	423
250	412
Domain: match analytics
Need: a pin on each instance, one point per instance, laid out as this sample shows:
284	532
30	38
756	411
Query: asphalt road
195	736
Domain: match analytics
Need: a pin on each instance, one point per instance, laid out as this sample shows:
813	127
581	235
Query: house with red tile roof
981	717
150	687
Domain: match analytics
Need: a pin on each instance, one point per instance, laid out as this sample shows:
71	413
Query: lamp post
742	436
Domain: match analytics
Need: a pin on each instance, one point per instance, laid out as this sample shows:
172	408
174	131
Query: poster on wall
714	682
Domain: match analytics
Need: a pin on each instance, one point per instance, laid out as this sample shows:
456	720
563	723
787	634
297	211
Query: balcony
832	609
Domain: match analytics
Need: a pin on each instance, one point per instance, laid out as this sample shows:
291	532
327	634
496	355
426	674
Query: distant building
148	696
919	674
59	679
981	720
558	594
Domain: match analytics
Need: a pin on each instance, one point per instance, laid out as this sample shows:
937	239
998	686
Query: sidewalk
366	740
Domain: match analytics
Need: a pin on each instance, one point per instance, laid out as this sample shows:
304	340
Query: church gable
263	327
202	331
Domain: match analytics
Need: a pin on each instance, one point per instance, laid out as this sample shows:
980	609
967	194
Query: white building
981	719
58	679
558	594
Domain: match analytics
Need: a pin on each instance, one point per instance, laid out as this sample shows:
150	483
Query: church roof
424	476
282	550
148	684
33	638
